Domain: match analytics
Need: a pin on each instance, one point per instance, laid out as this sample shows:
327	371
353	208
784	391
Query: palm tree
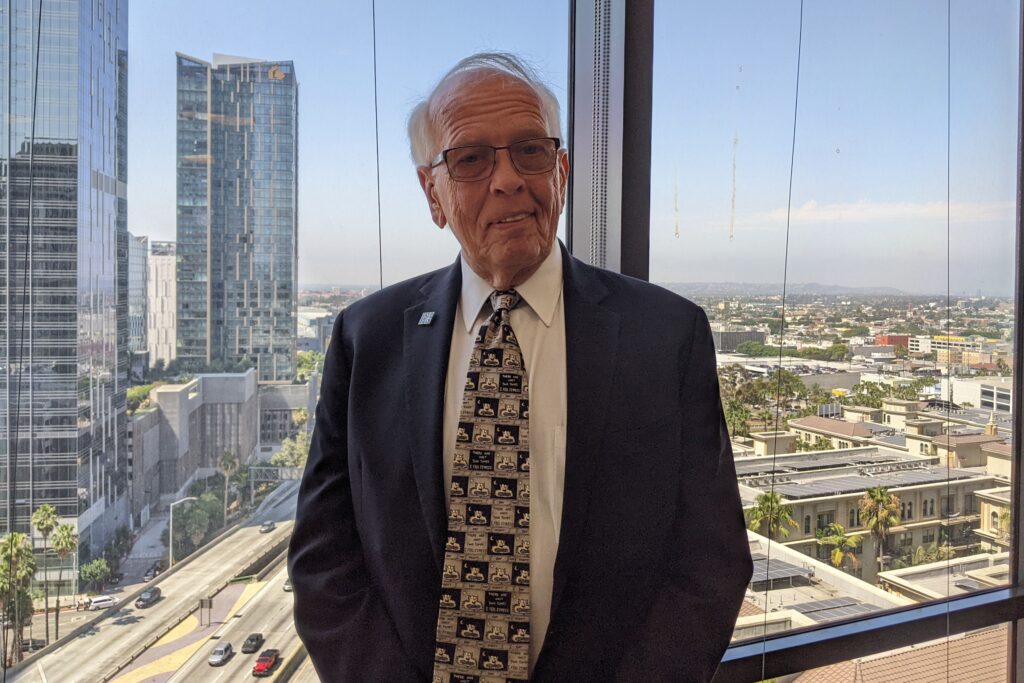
17	564
44	519
843	546
228	465
65	542
770	516
880	511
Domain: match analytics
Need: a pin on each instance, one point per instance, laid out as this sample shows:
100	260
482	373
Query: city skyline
869	180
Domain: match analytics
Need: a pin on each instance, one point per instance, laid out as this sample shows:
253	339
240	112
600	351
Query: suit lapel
592	333
425	352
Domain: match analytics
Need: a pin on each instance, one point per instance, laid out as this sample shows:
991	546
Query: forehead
480	106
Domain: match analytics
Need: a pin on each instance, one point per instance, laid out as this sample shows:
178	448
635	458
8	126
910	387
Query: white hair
422	135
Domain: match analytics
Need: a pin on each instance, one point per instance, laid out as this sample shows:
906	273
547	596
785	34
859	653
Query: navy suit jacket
653	558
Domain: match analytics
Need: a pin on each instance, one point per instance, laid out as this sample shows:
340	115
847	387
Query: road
109	641
268	612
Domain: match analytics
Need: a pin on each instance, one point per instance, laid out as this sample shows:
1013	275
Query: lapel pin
426	318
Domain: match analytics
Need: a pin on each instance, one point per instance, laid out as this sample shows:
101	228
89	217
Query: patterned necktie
483	624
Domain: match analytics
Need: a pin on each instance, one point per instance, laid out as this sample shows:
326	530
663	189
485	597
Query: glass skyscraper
63	266
237	213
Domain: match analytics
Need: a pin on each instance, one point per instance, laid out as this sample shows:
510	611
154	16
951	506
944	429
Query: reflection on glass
862	314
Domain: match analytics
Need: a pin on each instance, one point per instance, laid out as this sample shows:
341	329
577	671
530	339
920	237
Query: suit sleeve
707	559
338	614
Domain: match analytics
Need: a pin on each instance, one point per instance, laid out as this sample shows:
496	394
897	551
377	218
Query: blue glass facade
63	275
237	215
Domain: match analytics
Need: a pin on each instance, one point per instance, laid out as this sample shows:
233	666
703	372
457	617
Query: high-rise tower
237	159
64	267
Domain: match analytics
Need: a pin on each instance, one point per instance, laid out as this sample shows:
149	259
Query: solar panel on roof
774	570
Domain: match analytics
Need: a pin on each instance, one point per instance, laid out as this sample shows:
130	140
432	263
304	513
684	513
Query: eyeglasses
476	162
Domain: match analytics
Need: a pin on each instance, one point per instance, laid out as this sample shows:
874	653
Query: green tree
294	451
307	362
17	565
137	396
65	543
300	416
770	516
45	520
879	511
843	545
95	573
736	417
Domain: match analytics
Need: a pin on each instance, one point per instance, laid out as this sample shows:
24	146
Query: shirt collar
540	292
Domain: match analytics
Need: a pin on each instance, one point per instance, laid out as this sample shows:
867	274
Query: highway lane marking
39	668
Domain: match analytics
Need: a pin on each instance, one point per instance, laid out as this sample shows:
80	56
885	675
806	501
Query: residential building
64	219
937	504
994	529
237	214
162	329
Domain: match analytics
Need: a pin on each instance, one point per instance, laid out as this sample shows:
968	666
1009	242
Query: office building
161	332
237	213
181	435
64	284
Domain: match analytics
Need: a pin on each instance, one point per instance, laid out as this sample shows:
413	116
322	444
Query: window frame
630	72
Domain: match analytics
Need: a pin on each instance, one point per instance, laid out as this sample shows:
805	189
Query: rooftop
838	427
955	440
979	657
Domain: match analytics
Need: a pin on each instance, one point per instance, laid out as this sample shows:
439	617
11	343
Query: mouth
513	218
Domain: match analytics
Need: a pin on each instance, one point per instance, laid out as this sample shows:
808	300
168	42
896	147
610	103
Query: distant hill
704	289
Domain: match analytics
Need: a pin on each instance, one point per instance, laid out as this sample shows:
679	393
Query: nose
505	179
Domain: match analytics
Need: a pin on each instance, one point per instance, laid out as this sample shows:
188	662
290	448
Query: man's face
506	223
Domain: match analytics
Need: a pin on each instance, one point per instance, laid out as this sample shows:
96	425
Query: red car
266	663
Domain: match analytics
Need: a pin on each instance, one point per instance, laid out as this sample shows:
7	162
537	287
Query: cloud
868	212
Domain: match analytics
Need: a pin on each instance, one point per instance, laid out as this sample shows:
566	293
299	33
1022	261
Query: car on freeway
148	597
252	643
267	526
99	602
264	666
221	654
154	569
287	585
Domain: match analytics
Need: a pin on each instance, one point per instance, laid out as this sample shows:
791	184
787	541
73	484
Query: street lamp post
170	531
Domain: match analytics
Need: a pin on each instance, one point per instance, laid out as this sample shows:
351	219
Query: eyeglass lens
477	162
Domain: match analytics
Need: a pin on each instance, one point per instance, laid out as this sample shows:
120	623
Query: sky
869	184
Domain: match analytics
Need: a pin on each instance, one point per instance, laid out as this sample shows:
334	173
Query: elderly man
520	468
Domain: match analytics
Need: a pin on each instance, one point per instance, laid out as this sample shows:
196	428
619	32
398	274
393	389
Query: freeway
268	612
110	641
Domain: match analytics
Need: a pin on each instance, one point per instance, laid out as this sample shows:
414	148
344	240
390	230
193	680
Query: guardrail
291	663
130	598
276	548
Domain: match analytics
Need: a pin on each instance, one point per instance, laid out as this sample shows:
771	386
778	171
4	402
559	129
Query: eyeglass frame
442	158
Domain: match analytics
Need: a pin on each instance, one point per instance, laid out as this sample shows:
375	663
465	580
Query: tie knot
504	300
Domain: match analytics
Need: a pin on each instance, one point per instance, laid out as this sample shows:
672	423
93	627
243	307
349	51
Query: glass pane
257	135
977	656
862	308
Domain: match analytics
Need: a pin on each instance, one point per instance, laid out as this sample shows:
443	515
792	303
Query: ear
562	168
426	176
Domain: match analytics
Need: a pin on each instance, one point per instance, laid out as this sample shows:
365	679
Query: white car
102	602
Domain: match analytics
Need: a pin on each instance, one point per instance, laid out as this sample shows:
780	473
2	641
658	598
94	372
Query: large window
837	186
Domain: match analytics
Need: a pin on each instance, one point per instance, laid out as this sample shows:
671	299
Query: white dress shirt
539	324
